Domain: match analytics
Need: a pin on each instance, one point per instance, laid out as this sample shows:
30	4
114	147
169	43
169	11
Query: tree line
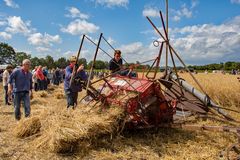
9	56
217	66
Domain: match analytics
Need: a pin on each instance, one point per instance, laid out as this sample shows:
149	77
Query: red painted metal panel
130	84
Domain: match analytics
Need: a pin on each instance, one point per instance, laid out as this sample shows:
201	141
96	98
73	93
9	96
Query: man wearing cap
6	75
22	79
72	90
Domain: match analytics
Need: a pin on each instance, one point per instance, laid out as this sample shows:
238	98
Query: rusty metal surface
185	100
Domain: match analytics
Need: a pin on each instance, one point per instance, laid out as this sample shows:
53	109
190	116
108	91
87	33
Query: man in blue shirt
72	90
22	90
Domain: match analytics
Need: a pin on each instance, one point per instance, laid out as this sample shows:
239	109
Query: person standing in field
22	79
34	78
6	75
40	78
71	90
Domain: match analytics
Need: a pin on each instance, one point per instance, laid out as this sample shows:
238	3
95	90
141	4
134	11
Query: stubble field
55	125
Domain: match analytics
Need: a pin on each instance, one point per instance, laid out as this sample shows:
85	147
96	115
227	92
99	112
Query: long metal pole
185	66
166	64
75	66
93	63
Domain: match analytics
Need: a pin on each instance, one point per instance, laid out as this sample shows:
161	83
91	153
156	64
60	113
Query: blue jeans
71	98
18	97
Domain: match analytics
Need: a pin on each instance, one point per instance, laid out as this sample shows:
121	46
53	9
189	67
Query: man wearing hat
72	90
6	75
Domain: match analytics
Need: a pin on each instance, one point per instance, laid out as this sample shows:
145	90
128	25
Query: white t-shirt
5	78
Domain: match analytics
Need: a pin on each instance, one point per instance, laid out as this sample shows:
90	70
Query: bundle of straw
27	127
72	130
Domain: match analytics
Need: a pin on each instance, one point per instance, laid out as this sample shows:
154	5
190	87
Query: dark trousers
45	84
35	86
40	84
6	94
18	97
71	98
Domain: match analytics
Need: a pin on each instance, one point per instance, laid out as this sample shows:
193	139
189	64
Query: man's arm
68	73
5	77
31	87
10	82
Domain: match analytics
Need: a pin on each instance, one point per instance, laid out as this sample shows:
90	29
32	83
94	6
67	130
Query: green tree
83	61
20	56
98	64
61	62
49	61
35	61
229	66
7	54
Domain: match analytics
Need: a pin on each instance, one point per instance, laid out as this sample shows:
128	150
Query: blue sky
202	31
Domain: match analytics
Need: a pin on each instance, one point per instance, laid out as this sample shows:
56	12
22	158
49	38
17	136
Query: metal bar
166	35
158	61
197	127
118	71
150	69
108	43
157	65
78	55
156	28
163	24
175	69
171	48
94	59
113	48
101	49
204	98
167	16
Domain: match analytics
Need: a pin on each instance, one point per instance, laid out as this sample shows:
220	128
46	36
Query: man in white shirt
6	75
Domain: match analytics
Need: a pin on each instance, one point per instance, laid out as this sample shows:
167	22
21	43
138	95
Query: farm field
56	123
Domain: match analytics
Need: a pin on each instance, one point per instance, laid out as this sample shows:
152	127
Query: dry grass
27	127
86	133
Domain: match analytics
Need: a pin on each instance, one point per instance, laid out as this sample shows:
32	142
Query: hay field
92	134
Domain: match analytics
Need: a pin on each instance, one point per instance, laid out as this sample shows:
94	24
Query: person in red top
40	78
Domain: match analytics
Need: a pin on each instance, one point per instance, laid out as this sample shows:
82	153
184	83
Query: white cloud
132	48
235	1
150	12
199	44
68	53
208	42
46	39
75	13
11	3
43	49
176	18
78	27
5	35
112	3
136	51
17	25
184	11
194	3
111	41
3	23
